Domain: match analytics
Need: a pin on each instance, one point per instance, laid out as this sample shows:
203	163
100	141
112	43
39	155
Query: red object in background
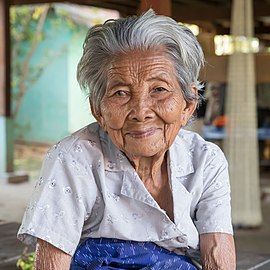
220	121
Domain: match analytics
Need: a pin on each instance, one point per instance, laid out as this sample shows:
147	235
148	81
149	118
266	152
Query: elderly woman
134	190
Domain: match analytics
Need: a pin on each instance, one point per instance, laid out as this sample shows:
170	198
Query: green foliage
26	262
23	21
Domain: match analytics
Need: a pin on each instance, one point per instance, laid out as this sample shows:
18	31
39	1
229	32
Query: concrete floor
255	240
13	199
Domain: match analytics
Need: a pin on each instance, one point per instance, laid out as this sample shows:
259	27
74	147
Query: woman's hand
217	251
49	257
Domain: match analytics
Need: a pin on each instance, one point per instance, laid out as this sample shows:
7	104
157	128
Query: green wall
54	105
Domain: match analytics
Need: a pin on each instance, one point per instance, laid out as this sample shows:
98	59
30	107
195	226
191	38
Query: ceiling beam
129	8
29	2
185	10
191	13
261	8
258	30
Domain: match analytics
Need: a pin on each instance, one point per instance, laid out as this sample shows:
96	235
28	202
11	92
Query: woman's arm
49	257
217	251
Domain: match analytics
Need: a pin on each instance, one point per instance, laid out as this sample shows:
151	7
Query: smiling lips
139	134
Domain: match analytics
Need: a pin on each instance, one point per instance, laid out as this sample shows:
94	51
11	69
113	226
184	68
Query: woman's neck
154	175
151	170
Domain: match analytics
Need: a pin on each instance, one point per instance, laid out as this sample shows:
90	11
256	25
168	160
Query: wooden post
162	7
6	121
241	142
4	59
4	84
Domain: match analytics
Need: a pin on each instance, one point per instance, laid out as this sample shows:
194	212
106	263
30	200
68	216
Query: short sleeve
213	212
57	210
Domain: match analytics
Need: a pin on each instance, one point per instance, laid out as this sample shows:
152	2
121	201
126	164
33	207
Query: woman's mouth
138	134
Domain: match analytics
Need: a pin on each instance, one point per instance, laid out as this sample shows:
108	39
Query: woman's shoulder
197	145
85	134
191	137
83	142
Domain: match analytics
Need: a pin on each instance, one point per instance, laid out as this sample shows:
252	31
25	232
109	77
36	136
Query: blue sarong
109	254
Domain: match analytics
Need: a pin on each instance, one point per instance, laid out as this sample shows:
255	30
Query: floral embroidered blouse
88	188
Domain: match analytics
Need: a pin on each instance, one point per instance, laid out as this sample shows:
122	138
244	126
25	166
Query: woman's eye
160	89
120	93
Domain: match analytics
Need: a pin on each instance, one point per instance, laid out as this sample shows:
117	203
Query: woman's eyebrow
117	84
159	77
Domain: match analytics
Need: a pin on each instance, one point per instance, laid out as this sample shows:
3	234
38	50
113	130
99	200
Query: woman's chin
142	150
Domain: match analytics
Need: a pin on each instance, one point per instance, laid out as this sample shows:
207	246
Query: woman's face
143	107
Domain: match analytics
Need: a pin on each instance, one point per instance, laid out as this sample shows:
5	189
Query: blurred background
41	102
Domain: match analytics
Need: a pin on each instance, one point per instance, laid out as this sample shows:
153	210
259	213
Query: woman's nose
141	109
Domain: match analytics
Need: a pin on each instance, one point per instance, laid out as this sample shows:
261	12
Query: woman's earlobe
93	109
183	120
97	114
191	107
188	111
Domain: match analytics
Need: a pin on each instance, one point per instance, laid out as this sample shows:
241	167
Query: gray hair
104	42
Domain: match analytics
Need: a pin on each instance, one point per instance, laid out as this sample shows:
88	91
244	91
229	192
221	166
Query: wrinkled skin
143	107
48	257
142	111
217	251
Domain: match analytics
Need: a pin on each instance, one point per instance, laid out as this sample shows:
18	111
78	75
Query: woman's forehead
150	63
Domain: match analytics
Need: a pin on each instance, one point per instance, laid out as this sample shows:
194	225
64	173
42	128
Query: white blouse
88	188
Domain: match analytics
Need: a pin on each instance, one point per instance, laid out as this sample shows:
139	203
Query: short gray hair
104	42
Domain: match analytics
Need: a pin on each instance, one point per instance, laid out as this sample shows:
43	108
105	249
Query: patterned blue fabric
109	254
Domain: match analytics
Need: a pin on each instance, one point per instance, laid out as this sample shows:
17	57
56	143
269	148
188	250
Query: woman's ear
190	107
95	113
